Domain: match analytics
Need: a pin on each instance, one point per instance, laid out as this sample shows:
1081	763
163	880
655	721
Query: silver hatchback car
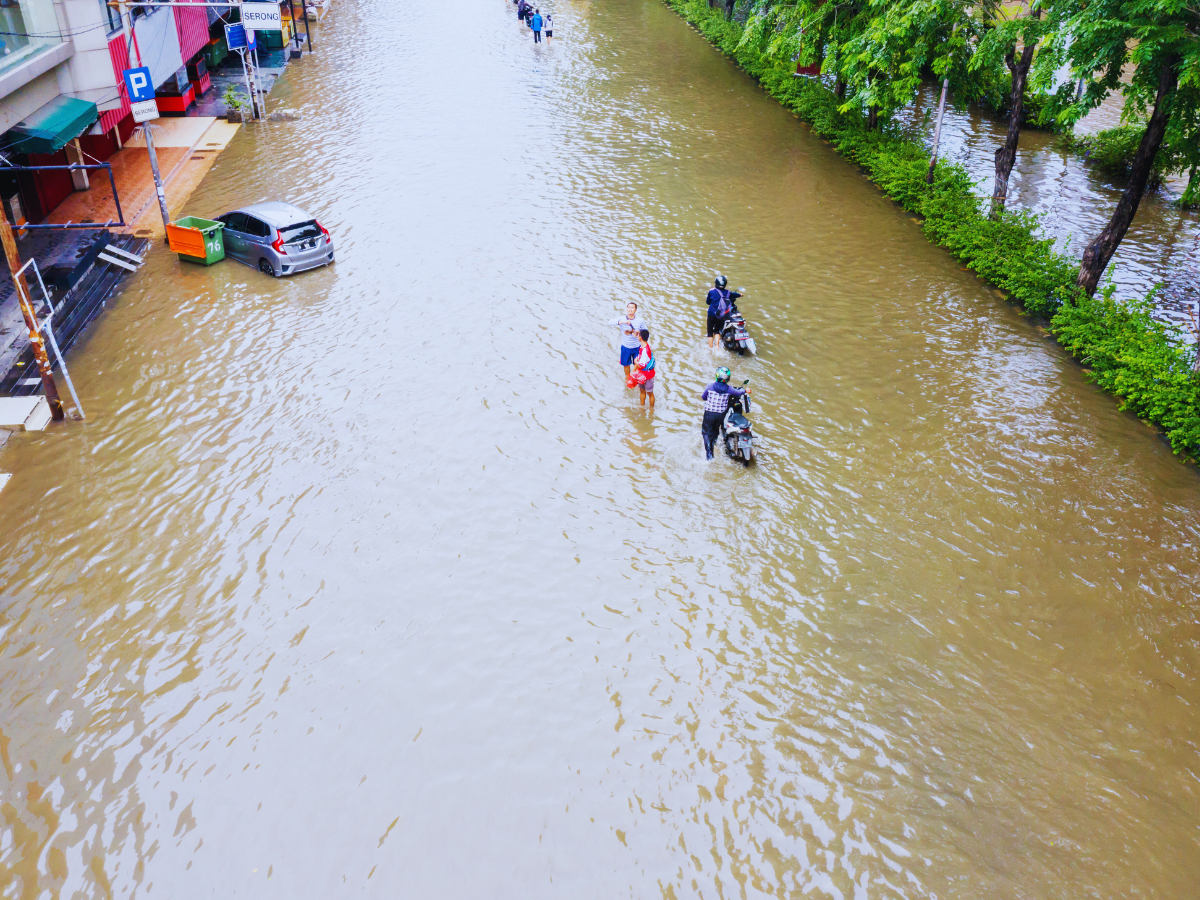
276	238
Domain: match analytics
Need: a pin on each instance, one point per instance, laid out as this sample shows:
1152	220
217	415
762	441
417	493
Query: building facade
62	98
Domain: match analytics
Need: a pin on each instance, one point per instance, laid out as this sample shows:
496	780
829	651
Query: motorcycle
737	432
734	334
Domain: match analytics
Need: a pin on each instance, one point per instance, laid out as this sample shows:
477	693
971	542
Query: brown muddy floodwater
376	582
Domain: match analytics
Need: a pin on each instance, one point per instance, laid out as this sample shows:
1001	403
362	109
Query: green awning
52	127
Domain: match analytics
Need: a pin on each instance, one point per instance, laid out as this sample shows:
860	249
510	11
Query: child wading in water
644	365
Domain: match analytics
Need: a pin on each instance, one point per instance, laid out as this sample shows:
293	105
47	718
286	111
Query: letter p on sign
137	83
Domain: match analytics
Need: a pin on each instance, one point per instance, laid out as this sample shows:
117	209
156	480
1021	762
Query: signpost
145	108
241	39
141	94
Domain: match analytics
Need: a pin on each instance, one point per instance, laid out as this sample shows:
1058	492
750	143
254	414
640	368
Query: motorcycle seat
737	420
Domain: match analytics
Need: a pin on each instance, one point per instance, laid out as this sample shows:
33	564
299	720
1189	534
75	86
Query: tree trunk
1006	153
1101	250
729	5
872	117
839	88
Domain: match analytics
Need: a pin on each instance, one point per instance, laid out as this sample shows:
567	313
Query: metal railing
47	327
75	167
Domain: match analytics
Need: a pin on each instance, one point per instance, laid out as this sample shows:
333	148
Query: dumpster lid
51	127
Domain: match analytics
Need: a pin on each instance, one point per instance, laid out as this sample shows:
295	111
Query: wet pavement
375	579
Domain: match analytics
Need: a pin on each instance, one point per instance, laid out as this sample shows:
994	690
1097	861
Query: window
256	228
111	15
235	222
305	231
28	27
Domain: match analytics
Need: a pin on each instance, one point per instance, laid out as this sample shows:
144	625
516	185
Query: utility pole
158	184
937	131
31	322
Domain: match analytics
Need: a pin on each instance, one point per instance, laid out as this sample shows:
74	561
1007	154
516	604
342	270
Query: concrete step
24	413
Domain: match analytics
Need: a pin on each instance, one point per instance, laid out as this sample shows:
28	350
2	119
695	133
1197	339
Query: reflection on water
375	580
1075	200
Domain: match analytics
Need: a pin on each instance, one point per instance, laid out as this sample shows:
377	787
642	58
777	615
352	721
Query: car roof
277	213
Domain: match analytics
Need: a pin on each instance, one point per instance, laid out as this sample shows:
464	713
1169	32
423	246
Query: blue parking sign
138	84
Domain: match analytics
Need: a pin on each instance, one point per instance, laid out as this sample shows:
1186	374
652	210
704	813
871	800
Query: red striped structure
192	27
119	54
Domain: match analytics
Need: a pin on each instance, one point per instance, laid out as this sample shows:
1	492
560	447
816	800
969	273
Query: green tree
1013	43
1160	39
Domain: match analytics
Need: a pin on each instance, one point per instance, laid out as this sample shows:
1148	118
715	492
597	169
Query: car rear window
304	231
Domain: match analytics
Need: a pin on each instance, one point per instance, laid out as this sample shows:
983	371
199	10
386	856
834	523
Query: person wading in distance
536	24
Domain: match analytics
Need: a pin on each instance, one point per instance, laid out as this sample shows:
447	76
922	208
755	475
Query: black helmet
721	282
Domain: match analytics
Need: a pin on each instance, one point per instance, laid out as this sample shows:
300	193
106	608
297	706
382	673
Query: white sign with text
144	110
262	16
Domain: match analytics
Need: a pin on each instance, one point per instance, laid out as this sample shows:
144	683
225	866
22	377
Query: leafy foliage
1129	353
1113	149
1138	358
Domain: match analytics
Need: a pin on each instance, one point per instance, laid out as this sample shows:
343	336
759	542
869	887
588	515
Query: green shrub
1128	352
1140	359
1113	149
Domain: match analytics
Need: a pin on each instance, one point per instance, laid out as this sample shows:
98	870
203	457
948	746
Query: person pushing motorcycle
716	399
721	302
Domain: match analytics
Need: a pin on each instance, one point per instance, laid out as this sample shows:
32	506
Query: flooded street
375	581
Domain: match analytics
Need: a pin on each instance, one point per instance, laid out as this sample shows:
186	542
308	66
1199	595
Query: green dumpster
214	52
197	240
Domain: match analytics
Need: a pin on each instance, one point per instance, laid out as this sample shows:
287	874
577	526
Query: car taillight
324	231
278	243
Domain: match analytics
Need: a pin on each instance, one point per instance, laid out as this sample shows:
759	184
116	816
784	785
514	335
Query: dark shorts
549	34
629	354
714	324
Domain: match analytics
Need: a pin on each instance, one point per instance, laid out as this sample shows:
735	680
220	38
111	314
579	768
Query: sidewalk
271	67
186	149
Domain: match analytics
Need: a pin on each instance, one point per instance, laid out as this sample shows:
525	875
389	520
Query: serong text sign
262	16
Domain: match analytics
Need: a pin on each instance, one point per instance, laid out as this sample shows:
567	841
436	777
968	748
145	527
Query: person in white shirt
548	25
631	325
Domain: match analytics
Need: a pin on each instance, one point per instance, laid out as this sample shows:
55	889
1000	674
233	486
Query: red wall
119	54
191	25
98	146
52	187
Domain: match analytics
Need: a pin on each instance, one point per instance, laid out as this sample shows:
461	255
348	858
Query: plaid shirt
716	396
